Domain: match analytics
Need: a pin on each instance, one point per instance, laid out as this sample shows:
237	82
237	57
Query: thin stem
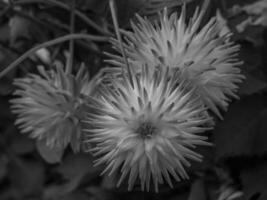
71	44
116	25
54	26
58	40
87	20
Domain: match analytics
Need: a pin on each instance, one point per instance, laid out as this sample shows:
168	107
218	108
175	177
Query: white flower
49	106
205	56
147	125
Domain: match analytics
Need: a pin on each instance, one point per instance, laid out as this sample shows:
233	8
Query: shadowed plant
50	106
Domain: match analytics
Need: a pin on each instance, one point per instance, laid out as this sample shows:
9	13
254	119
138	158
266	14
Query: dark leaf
50	155
6	115
249	19
109	182
3	166
257	132
27	177
183	195
197	191
75	196
59	191
98	193
76	165
4	32
254	181
21	143
128	8
75	169
19	28
6	57
237	134
251	85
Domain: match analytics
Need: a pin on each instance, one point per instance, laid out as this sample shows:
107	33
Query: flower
205	56
49	106
147	125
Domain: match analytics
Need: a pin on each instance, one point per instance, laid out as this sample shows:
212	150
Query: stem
53	26
116	25
71	44
58	40
83	17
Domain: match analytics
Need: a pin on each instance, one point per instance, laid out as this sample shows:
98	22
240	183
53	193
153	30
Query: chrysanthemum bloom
147	126
49	106
205	56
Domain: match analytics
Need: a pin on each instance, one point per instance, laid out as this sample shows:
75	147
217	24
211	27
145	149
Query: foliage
41	31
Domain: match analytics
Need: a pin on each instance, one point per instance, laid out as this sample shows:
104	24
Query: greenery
36	33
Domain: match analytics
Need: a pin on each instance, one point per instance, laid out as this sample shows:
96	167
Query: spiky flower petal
146	126
49	106
205	56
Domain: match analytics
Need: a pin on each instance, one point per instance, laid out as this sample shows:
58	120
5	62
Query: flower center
146	130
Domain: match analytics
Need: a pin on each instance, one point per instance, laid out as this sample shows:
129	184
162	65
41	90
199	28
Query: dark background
236	164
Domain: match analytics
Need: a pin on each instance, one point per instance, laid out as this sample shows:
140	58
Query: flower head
49	106
205	56
146	126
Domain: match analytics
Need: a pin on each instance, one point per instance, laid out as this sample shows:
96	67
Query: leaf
27	177
249	19
251	85
254	181
181	195
6	57
50	155
237	134
19	28
3	166
154	6
76	165
258	9
98	193
128	8
75	169
54	191
257	132
93	5
197	191
20	144
75	196
109	181
6	115
24	30
230	193
4	32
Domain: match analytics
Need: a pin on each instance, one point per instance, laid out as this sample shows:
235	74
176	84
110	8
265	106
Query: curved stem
117	30
58	40
71	44
116	26
64	6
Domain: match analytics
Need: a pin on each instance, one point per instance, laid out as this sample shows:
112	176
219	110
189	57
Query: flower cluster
205	56
147	126
146	123
50	106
